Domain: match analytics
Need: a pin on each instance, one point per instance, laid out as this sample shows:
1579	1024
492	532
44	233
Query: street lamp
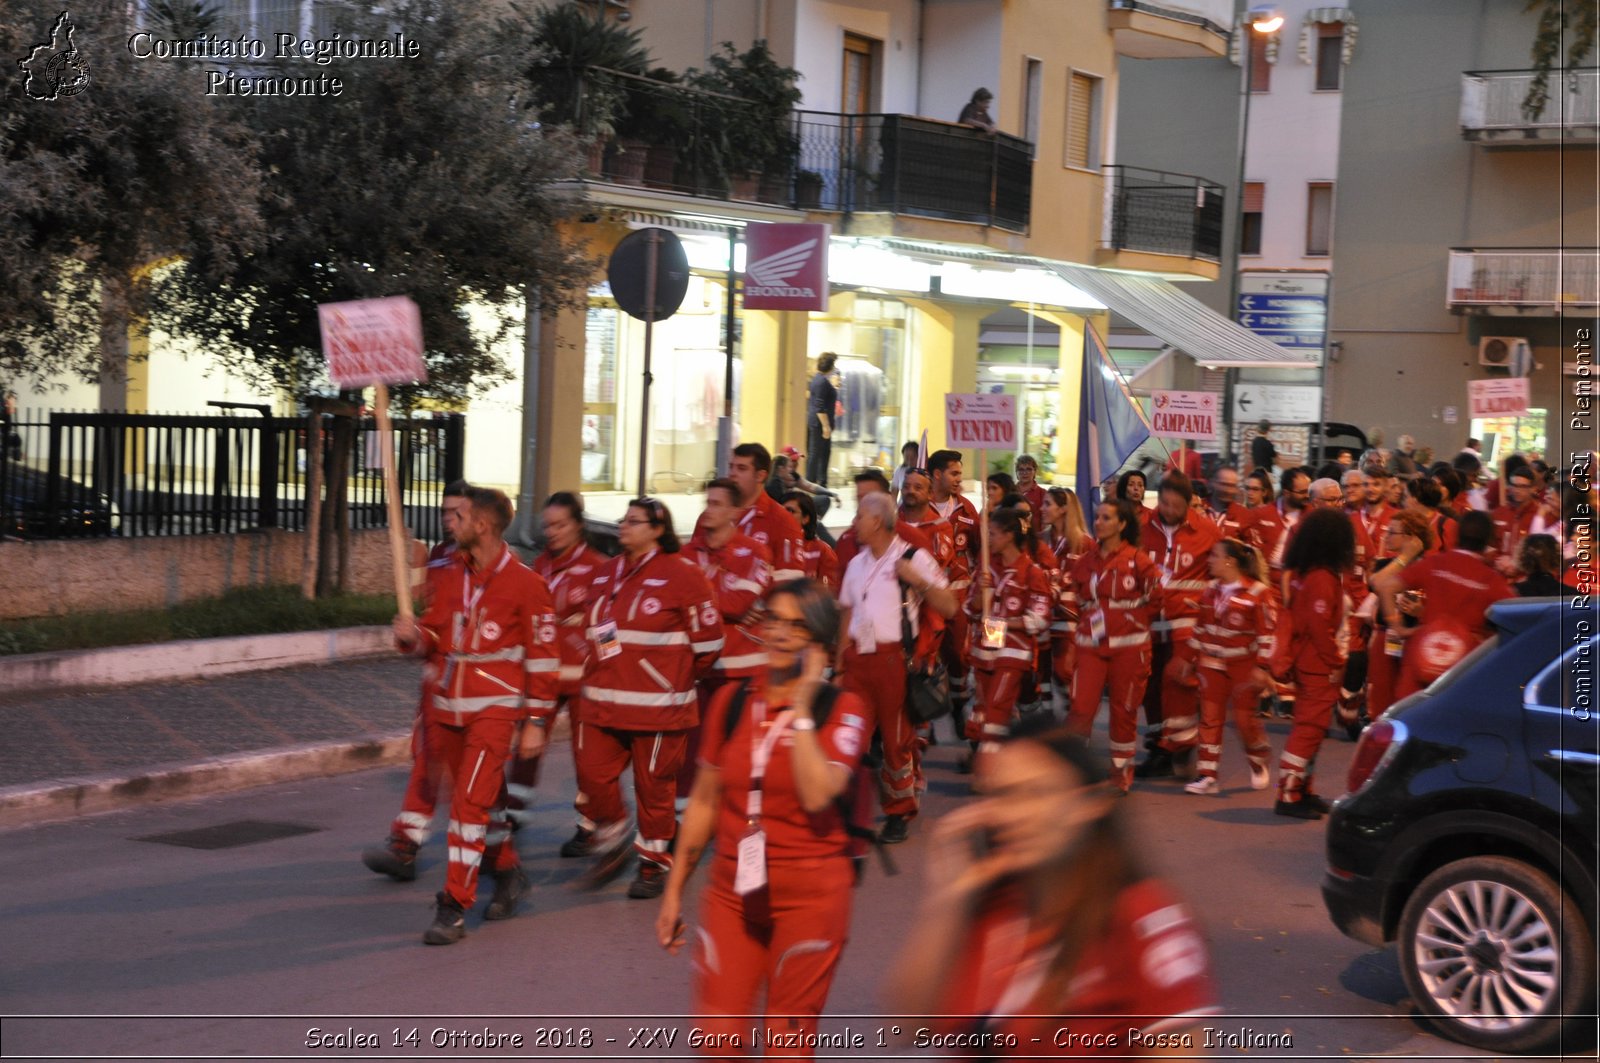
1264	20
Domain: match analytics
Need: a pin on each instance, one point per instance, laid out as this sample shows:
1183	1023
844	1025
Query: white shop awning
1162	309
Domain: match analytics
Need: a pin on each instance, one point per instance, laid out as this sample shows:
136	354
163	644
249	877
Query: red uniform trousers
789	937
474	755
1316	695
953	652
602	754
1381	672
1224	690
879	679
1125	672
989	722
422	788
1179	697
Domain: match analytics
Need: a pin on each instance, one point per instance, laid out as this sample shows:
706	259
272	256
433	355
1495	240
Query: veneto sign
988	422
1498	398
786	266
1183	415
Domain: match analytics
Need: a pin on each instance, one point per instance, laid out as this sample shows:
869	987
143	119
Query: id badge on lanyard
750	872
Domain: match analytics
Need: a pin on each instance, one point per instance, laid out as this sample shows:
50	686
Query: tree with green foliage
423	178
95	188
1558	19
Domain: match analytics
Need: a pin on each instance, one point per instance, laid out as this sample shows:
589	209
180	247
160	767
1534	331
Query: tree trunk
335	531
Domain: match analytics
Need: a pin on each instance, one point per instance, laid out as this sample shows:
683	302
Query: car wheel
1495	953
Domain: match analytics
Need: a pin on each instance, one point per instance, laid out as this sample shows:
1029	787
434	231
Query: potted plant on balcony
655	122
1517	289
756	132
808	189
570	71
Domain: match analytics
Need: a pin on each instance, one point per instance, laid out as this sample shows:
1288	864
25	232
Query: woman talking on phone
1038	909
776	753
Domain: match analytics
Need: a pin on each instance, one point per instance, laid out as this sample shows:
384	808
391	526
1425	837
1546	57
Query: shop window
1319	219
1526	433
1330	56
598	461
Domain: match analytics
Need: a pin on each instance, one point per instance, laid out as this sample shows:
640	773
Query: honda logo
788	267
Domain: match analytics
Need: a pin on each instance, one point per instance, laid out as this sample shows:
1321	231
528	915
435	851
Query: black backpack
856	803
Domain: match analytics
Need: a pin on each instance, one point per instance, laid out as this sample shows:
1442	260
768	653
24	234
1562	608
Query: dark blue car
1468	835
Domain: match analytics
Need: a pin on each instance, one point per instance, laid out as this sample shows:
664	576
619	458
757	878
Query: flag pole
983	539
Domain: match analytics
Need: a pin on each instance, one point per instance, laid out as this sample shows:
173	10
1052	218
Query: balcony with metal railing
1522	281
1151	212
1492	108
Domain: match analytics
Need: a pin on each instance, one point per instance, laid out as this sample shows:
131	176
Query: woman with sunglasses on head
654	629
568	565
820	562
777	754
1038	907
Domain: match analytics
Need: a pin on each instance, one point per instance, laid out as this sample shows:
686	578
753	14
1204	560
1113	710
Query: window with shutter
1260	68
1319	219
1083	123
1255	195
1330	56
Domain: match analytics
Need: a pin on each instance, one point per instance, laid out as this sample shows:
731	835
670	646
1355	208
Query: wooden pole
313	497
398	552
983	536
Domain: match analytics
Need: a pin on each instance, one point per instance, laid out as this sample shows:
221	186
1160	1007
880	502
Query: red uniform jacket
938	532
668	633
1021	589
1375	522
963	518
1123	590
1066	560
1318	610
821	564
1269	528
1460	585
1232	523
1237	621
740	575
1183	554
441	555
569	577
495	633
774	527
1512	525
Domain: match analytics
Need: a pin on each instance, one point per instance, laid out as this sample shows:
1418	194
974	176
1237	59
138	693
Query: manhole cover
230	835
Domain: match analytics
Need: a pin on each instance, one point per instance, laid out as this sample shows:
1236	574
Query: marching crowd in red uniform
751	669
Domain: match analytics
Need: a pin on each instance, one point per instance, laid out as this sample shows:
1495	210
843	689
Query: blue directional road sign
1290	309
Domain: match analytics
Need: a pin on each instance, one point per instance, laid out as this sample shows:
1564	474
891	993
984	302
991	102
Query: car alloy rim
1487	956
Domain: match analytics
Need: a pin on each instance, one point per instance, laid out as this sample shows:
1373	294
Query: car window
1557	686
1465	665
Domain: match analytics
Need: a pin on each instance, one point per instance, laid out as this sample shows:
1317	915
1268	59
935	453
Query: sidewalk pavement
67	753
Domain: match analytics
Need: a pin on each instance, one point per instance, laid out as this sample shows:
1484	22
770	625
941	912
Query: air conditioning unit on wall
1506	352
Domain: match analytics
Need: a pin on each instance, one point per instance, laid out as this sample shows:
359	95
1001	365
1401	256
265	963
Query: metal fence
98	474
1163	213
907	165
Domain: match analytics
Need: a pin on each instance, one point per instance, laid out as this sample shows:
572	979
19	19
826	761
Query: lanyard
559	568
761	754
1224	596
470	597
624	577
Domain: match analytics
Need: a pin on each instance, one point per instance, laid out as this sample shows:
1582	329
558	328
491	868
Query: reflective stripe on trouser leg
879	679
479	775
989	722
1127	673
422	787
1180	701
1313	711
657	758
602	755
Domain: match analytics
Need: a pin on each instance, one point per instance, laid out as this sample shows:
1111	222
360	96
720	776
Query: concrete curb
32	804
187	659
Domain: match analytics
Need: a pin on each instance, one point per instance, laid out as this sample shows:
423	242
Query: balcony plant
808	189
657	115
572	65
756	134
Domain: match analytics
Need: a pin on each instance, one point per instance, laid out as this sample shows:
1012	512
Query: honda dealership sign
786	266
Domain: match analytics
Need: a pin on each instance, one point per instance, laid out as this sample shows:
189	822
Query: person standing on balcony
976	112
821	400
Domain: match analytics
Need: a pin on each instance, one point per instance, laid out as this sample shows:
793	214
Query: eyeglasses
784	623
634	522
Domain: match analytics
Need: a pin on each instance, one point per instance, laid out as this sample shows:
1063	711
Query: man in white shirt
873	662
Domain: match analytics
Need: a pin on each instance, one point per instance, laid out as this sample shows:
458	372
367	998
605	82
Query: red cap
790	452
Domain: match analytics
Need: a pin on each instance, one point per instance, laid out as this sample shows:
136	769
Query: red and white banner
786	266
1184	415
1498	398
984	421
373	341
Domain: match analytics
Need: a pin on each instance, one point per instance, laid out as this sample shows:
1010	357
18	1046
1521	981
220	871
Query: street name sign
1278	403
1289	309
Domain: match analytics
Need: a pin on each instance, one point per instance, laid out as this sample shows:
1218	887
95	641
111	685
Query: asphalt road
117	945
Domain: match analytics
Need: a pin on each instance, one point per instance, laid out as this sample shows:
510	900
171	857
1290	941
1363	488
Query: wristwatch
804	723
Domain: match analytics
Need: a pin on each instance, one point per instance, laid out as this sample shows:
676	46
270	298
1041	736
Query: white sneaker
1260	777
1204	784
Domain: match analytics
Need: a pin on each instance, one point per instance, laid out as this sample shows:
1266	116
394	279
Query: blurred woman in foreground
1039	909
